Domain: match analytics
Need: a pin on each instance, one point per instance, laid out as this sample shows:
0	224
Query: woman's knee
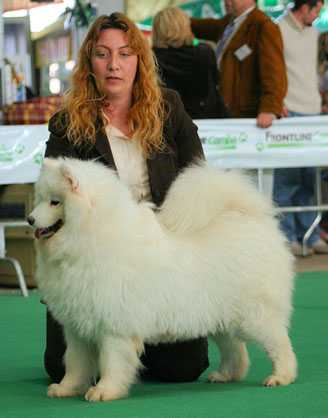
180	362
55	350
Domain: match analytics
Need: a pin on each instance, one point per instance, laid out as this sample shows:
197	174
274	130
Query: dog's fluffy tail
202	193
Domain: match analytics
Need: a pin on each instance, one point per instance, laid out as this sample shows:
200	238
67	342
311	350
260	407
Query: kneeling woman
117	113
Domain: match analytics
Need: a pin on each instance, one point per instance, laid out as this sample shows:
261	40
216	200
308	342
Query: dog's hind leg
118	367
273	337
234	359
283	359
80	368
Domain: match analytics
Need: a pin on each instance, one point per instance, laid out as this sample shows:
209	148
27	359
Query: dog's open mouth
49	231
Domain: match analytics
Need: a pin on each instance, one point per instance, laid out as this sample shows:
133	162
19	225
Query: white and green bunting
229	143
289	142
21	152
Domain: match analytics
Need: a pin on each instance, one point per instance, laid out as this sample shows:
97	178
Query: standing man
295	186
250	59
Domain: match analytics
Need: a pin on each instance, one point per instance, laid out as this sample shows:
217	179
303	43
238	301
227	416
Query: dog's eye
54	202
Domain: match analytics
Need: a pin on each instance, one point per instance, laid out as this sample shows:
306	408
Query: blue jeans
295	187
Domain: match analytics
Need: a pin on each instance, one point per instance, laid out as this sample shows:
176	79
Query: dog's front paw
219	377
100	393
56	390
275	380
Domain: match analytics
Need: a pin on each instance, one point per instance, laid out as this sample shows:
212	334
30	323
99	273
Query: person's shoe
320	247
297	249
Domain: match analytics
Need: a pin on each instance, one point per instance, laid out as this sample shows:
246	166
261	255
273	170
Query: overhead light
54	85
69	65
41	17
53	69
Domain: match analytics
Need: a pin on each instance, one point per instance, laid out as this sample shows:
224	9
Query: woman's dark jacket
182	147
192	72
183	361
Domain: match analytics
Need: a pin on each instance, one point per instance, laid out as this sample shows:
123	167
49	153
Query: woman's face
114	64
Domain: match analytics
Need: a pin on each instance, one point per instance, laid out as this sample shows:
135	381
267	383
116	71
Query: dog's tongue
49	231
39	232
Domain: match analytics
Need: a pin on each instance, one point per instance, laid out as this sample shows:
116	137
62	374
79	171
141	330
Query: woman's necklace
113	118
108	110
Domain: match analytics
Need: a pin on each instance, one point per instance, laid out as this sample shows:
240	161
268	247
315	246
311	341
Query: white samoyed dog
117	274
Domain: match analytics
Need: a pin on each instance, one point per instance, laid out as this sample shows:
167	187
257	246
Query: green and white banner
228	143
21	152
289	142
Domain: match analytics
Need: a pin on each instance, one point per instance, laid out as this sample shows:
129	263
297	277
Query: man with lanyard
253	78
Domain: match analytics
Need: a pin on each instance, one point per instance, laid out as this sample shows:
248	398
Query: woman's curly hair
84	103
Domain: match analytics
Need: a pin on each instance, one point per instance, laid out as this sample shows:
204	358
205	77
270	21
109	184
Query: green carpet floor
23	382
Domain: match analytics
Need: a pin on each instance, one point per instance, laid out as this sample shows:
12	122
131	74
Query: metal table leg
12	261
19	273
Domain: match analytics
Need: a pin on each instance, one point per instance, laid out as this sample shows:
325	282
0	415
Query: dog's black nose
30	220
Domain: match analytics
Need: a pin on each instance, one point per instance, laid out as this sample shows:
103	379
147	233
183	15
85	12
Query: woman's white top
130	163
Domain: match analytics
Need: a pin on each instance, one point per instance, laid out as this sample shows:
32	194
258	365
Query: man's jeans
295	187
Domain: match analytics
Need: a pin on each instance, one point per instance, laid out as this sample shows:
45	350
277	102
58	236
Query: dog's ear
70	178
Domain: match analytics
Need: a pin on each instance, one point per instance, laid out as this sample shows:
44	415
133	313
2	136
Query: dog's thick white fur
118	274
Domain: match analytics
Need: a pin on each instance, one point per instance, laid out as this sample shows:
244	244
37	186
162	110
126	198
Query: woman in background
186	65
